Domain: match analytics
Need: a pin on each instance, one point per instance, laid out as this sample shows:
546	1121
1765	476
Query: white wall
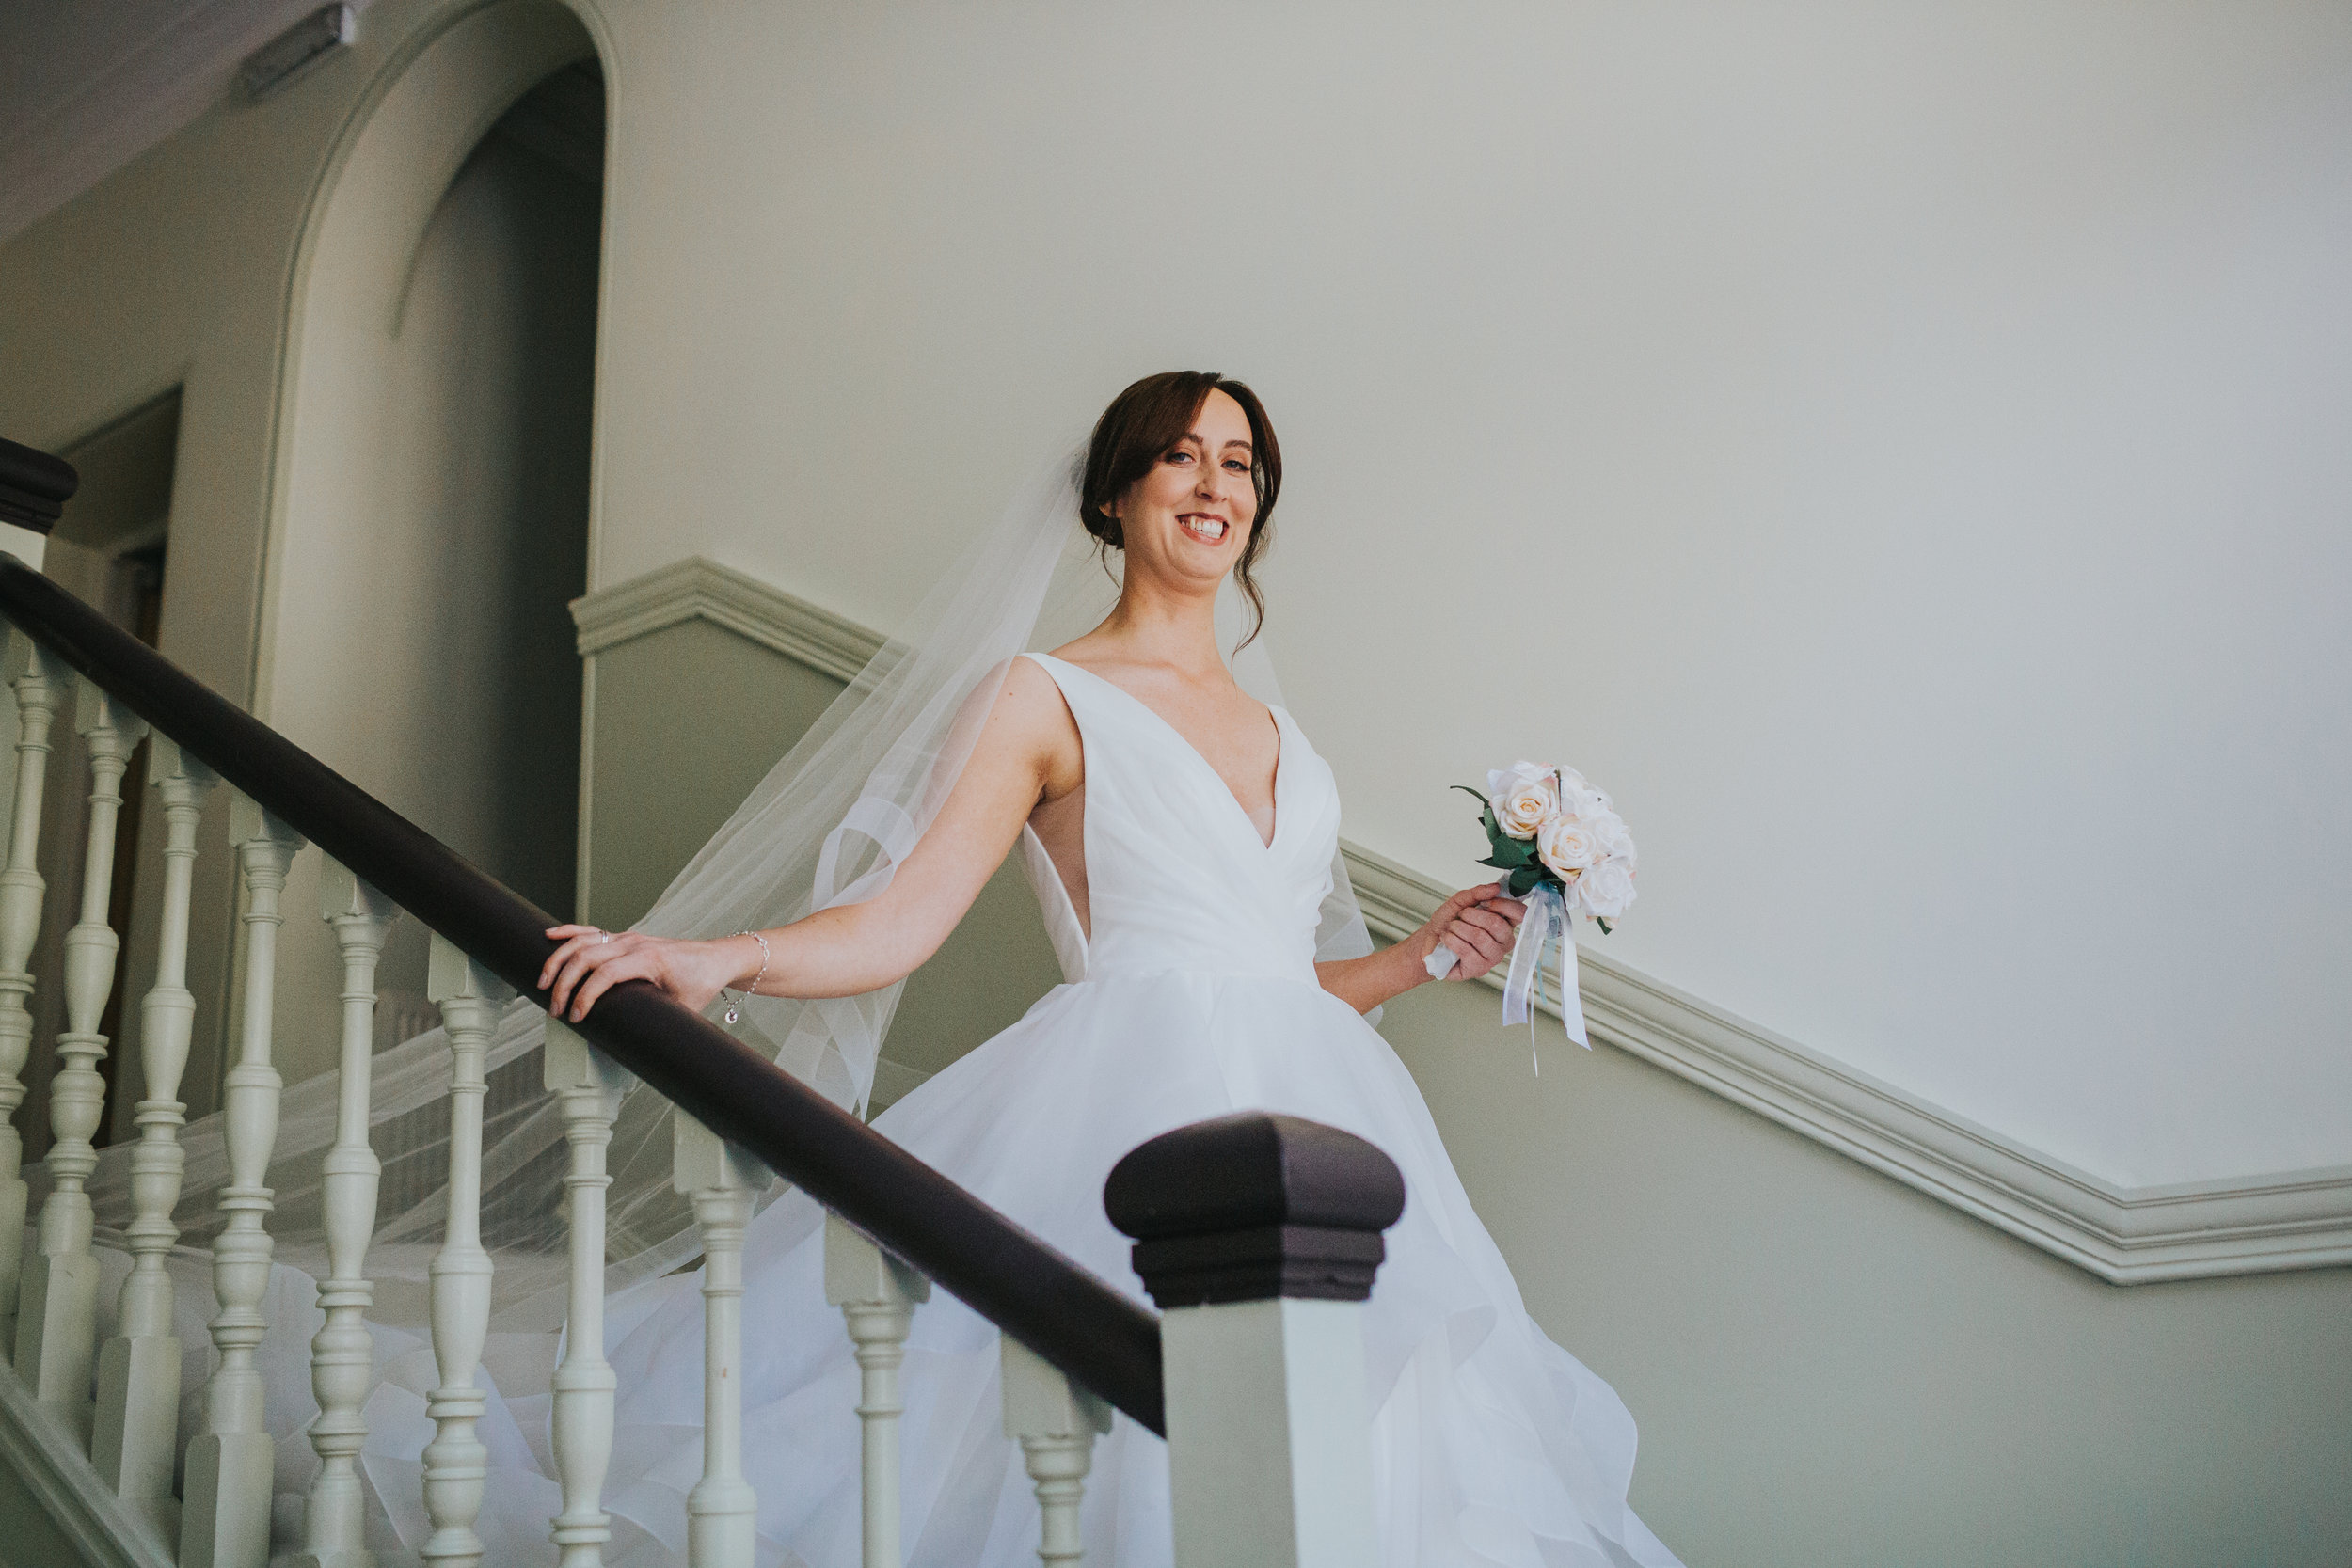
1897	449
1902	444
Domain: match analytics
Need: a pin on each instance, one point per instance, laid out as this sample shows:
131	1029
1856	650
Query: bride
1181	834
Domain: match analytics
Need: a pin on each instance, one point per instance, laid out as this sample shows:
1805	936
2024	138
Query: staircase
1257	1236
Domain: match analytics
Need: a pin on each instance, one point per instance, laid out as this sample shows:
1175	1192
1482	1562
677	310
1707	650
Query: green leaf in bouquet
1469	791
1523	880
1602	924
1509	854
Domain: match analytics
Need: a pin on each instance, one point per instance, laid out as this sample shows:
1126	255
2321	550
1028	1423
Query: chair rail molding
2125	1235
2259	1224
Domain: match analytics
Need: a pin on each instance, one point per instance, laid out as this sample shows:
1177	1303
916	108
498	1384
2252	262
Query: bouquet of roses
1562	847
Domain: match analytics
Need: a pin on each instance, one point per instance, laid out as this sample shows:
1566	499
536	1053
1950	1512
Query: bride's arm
1477	923
1027	746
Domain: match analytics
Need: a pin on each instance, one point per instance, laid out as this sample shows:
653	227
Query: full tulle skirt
1491	1446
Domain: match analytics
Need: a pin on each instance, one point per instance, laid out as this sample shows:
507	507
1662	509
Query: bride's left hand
1479	923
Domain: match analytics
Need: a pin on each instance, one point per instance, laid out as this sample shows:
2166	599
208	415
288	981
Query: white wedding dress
1195	996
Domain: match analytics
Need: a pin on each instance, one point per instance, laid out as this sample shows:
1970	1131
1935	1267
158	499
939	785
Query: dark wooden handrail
1058	1309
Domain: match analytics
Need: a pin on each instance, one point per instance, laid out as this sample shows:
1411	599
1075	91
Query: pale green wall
687	719
1832	1370
28	1539
1829	1369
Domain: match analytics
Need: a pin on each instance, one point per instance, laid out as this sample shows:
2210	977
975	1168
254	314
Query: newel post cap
1255	1206
34	486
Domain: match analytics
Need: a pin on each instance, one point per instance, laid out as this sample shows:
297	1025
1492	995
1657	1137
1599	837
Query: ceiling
86	86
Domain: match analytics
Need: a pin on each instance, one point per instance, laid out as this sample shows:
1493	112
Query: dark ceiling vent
295	50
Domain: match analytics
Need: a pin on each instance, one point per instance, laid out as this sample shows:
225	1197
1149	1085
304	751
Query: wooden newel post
1258	1236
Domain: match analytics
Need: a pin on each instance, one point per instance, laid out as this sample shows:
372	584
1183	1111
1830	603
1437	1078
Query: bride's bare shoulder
1032	718
1030	705
1027	686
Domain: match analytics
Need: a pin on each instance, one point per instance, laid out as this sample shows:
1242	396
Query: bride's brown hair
1142	424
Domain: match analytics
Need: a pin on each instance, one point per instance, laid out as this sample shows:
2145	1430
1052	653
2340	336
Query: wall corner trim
699	588
2242	1225
51	1465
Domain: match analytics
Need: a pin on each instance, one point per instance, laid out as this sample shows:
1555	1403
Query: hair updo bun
1140	427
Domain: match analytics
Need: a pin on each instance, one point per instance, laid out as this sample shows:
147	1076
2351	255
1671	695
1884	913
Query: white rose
1580	797
1616	842
1605	890
1569	844
1500	780
1523	797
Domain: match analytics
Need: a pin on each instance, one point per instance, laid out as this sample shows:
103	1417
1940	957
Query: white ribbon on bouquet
1546	918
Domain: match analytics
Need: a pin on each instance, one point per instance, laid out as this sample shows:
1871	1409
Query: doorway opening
490	394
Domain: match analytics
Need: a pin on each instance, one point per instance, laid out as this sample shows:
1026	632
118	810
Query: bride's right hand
592	962
1478	924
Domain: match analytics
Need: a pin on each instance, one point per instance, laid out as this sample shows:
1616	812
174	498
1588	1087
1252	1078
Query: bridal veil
828	825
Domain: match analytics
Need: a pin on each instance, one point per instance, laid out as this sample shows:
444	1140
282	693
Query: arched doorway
483	536
431	512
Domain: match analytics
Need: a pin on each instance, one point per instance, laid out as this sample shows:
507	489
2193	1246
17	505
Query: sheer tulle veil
828	825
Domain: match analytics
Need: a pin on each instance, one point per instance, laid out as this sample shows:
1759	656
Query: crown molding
2124	1235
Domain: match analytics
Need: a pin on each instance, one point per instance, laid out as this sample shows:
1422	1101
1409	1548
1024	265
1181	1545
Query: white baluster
455	1461
720	1511
56	1327
341	1353
589	1088
231	1463
42	683
877	1295
138	1433
1056	1422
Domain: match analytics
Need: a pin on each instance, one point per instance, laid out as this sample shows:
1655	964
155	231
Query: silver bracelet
735	1009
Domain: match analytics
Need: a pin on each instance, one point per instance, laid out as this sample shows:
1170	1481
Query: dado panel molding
2124	1235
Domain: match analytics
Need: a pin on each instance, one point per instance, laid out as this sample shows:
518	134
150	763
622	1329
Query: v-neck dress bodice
1196	997
1177	876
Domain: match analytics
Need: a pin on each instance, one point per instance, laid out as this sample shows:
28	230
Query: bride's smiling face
1190	516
